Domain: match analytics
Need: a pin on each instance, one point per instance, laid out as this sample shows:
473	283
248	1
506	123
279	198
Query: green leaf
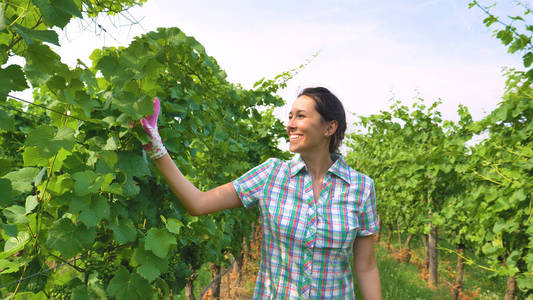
61	184
64	139
150	266
87	182
32	156
91	291
10	230
15	214
69	7
93	209
6	121
69	239
15	244
31	35
10	266
31	204
81	292
21	180
40	137
51	14
528	59
126	286
159	241
108	65
123	230
11	79
47	143
40	57
109	157
31	296
132	164
6	192
174	225
525	282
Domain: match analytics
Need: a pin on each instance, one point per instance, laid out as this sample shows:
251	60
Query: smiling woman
316	211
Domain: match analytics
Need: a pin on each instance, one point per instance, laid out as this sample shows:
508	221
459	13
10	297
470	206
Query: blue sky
370	51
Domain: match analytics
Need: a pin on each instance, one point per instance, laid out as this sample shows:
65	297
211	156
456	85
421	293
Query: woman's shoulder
355	177
360	181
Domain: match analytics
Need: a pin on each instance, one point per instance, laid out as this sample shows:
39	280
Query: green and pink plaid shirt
306	244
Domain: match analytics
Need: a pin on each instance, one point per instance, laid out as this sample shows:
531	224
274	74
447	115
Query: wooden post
215	289
510	290
460	272
426	251
408	248
433	257
189	287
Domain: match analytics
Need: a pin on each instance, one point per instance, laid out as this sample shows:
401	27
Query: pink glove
155	148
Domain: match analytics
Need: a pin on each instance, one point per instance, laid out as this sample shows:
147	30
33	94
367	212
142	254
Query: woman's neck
318	163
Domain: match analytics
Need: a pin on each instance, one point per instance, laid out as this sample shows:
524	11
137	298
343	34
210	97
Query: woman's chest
299	214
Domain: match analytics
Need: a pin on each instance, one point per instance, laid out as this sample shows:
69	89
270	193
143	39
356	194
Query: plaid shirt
306	244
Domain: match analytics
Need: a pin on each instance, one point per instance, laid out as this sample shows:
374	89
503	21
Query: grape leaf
87	182
12	79
31	35
126	286
33	156
22	179
61	184
6	193
68	238
123	230
52	15
149	265
159	241
31	203
41	58
15	244
6	121
132	164
93	208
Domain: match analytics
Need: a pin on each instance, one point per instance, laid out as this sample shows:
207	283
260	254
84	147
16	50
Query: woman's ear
332	127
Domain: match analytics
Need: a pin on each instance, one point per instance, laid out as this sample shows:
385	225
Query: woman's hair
330	108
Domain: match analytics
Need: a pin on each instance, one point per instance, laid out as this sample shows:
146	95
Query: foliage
514	32
483	189
78	189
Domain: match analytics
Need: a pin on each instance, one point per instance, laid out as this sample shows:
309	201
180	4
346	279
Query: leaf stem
69	263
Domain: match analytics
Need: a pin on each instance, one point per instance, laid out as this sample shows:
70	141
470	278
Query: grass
405	281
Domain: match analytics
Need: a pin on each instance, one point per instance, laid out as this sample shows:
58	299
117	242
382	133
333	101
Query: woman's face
306	129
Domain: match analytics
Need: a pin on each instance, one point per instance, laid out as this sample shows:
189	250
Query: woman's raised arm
194	200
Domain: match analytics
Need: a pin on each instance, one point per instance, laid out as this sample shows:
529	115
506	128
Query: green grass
403	281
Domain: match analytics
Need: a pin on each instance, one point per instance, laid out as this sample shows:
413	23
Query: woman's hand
155	148
194	200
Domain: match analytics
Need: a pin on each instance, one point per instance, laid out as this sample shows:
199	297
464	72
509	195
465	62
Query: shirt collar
339	167
296	165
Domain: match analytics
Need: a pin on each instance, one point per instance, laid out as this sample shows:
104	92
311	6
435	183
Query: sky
368	51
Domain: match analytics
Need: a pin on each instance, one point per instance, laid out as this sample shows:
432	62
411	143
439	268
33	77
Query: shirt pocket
287	214
337	223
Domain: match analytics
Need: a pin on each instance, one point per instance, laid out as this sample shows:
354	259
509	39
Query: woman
315	209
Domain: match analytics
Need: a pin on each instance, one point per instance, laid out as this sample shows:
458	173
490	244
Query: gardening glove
154	148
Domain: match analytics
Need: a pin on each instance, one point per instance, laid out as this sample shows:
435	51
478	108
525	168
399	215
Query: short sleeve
367	216
250	185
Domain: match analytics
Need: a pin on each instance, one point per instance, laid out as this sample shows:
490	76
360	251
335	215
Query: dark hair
330	108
